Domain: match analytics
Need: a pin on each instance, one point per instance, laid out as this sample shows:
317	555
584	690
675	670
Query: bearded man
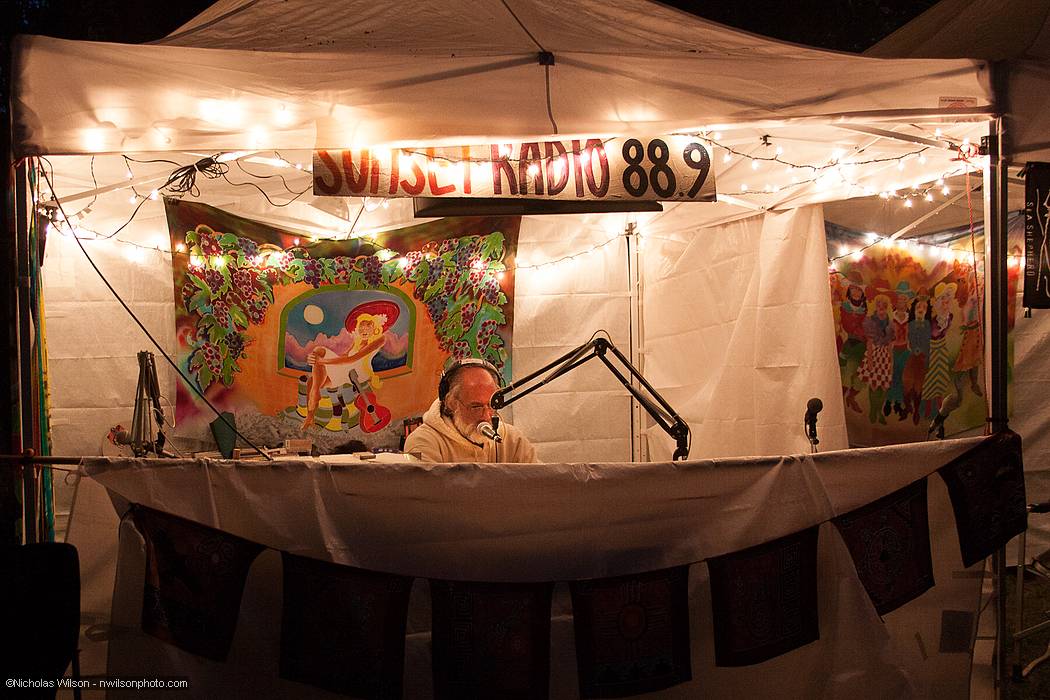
451	429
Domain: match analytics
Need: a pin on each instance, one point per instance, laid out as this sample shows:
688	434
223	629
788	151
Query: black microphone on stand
813	407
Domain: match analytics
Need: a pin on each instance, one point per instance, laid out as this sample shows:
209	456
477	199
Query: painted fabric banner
335	340
910	337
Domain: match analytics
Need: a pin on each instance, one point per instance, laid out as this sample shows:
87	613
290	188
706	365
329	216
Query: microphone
813	407
488	431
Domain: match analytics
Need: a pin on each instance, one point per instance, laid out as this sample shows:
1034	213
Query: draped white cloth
558	522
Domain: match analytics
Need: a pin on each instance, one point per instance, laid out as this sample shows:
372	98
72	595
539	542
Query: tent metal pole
30	479
996	305
639	444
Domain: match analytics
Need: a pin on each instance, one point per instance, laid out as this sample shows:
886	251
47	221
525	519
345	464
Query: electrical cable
149	335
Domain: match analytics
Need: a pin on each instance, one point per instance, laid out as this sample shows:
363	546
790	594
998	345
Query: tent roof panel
84	97
989	29
467	26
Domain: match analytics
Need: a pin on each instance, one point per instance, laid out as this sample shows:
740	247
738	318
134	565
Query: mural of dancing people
910	341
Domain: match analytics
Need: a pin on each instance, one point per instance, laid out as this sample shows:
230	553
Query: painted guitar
373	417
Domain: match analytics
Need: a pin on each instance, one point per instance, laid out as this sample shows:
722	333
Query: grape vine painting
331	339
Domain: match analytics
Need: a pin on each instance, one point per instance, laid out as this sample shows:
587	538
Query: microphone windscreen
814	406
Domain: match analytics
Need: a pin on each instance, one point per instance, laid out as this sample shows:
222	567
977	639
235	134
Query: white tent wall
584	415
739	334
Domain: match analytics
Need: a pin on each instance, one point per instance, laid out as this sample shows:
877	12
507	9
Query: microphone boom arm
660	411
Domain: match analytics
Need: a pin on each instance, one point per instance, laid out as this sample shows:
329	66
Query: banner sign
1036	225
667	167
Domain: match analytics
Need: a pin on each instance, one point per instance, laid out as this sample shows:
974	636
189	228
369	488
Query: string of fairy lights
835	171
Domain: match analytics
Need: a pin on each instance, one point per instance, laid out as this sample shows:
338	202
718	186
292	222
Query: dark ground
1036	609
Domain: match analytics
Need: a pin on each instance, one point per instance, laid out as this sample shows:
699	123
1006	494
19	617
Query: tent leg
996	305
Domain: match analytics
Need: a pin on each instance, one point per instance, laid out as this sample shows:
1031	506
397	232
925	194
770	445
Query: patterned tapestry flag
889	541
632	633
986	486
491	640
194	580
343	628
764	599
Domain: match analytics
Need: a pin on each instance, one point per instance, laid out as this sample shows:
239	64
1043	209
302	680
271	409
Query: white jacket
437	440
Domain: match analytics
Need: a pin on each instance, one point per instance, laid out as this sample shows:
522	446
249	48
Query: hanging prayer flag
194	580
632	633
491	640
1036	232
889	541
343	628
764	599
986	486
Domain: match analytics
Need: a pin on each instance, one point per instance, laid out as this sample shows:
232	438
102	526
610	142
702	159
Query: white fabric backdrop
738	332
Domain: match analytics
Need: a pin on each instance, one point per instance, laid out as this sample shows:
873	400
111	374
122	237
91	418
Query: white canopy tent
726	313
791	126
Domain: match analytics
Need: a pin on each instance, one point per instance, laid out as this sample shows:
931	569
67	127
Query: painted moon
313	314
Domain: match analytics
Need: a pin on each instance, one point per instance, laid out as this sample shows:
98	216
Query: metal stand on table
649	399
147	409
1039	570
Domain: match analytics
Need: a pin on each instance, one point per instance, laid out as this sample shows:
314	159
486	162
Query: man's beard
467	429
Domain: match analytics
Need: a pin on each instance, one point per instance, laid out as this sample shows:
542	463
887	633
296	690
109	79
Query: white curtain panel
738	333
